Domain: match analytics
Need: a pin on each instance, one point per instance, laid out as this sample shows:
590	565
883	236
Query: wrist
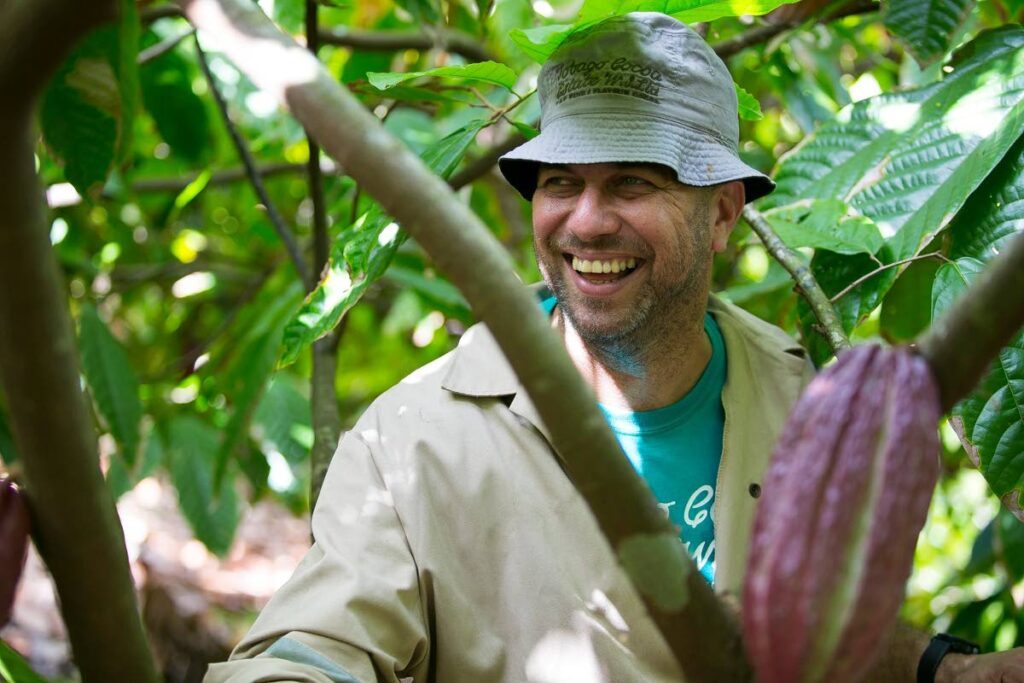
944	659
951	666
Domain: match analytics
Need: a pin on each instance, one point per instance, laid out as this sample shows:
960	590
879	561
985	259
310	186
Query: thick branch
452	41
961	344
75	524
280	227
695	625
832	327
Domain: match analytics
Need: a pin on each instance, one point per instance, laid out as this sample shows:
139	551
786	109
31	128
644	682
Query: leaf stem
864	278
832	327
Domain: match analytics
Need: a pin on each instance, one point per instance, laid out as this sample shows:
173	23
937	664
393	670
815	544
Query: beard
663	306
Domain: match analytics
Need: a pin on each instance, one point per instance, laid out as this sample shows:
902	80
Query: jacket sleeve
351	612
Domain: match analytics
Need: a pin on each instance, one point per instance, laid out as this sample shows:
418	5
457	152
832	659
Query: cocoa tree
861	156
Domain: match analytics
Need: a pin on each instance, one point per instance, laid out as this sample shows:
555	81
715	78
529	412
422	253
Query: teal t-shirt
677	450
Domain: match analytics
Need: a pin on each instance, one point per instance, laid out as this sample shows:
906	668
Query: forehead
611	168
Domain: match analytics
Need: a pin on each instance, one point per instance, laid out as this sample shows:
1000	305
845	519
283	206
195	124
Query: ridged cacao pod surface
844	500
14	529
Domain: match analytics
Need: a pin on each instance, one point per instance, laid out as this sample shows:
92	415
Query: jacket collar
479	369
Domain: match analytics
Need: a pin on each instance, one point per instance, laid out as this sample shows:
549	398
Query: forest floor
196	606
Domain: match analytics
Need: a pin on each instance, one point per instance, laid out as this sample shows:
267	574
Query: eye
558	183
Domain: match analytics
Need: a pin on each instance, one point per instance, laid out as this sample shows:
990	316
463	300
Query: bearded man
449	545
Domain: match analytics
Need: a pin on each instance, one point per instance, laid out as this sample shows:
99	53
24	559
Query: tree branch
280	227
392	41
485	162
762	34
696	626
805	282
324	415
961	344
75	523
163	47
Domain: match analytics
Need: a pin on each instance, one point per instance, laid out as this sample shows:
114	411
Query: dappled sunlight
564	656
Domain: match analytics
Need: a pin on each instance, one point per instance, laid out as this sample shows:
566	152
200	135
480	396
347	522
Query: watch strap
941	644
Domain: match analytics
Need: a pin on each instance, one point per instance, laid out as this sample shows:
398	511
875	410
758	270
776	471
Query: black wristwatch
941	645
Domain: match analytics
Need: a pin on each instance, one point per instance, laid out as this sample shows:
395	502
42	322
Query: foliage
897	180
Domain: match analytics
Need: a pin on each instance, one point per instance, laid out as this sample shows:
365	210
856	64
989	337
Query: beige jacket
451	548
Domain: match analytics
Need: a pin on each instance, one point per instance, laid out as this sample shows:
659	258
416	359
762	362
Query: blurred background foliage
190	308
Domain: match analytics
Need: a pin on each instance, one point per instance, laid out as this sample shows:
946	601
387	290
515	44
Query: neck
641	377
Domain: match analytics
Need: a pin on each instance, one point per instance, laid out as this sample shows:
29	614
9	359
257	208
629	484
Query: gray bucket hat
641	88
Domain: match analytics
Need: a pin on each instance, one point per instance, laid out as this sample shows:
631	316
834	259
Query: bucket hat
638	88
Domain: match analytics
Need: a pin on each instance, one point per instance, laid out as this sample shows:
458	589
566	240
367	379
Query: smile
603	266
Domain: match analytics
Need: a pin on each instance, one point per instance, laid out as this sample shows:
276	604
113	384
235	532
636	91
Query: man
450	546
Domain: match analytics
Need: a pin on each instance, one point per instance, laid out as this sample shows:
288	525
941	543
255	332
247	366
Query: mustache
600	243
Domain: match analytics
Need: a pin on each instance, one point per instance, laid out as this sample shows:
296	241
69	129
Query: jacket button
755	490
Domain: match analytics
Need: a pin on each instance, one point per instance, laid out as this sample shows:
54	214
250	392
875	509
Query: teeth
610	266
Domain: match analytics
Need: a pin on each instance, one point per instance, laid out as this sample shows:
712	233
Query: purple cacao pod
844	500
14	529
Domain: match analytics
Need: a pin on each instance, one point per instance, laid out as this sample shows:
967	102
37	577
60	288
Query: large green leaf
825	224
926	29
8	453
990	421
486	72
362	253
180	115
87	108
14	668
252	358
111	381
540	43
211	512
909	160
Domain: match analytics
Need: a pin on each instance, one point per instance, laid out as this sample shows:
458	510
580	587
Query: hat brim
698	158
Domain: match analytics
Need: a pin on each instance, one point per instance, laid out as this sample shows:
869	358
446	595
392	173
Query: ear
726	206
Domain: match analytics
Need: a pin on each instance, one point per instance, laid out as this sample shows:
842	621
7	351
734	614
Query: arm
906	645
351	612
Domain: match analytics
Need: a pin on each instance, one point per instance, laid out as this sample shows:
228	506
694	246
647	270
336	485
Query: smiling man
449	545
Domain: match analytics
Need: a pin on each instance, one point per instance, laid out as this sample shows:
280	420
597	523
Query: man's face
625	248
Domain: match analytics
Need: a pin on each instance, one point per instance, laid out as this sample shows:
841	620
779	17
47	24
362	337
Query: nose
592	215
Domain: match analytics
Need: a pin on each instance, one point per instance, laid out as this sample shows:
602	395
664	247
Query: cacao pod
843	503
14	529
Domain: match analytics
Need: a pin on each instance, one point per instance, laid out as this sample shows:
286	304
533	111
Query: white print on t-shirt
703	553
694	513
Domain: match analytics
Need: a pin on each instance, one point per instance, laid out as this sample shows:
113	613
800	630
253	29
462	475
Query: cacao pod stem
844	500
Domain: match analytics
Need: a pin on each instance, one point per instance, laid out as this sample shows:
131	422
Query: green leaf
909	160
423	11
435	289
528	131
990	422
281	420
926	29
14	668
749	107
834	272
212	513
825	224
540	43
907	309
362	253
688	11
87	108
181	117
111	381
253	357
487	72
